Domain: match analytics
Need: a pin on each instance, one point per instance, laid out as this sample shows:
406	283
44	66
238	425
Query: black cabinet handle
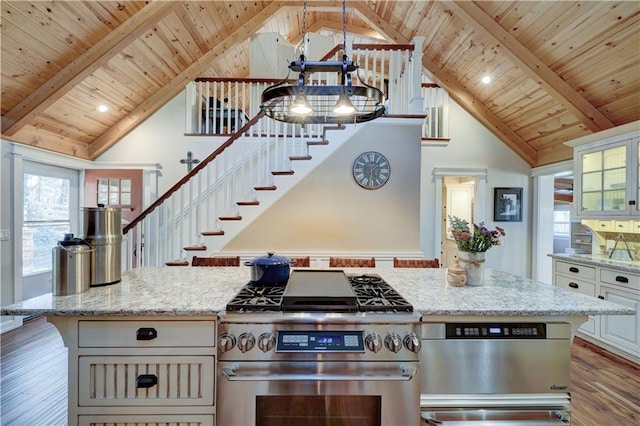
622	279
146	381
632	202
574	269
600	297
146	334
573	285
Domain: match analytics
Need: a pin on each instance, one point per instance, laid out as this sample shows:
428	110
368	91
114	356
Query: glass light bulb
344	106
301	106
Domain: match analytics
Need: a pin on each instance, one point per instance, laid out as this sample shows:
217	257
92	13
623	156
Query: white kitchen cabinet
606	179
617	333
140	370
621	331
578	278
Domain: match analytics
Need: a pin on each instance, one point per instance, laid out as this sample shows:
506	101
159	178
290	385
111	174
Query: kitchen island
145	349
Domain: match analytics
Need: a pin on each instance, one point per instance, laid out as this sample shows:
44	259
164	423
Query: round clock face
371	170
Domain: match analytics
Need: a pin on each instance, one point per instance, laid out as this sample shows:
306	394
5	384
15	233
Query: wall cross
189	161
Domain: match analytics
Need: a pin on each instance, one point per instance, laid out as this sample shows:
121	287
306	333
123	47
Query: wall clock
371	170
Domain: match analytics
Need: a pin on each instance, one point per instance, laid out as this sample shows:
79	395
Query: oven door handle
405	373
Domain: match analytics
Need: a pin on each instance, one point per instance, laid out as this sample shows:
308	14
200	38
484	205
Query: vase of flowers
473	241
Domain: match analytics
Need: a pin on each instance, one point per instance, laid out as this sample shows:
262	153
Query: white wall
161	140
473	146
328	213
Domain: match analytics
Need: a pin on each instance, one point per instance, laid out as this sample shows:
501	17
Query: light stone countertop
602	260
206	291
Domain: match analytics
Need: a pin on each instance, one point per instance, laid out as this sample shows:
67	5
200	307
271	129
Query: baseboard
9	323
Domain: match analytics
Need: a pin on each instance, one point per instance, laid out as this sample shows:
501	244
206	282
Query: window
114	192
562	223
50	207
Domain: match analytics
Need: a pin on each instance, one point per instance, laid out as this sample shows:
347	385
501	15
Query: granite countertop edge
600	260
185	291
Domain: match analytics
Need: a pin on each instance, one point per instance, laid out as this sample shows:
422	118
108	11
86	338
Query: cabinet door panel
621	331
146	380
146	420
146	334
576	270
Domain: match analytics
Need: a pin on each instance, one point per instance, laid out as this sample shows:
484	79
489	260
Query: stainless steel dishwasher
495	373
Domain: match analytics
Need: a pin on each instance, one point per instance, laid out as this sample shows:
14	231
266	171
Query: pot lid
68	240
271	260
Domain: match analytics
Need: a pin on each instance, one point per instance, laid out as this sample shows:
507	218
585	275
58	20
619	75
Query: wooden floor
605	389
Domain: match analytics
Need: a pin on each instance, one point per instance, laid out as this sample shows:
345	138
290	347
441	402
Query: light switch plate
4	235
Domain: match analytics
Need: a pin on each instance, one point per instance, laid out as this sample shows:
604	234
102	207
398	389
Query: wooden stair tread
195	248
211	233
300	157
248	203
265	188
282	172
230	217
177	263
322	142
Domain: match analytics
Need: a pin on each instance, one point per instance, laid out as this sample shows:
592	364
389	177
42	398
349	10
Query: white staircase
229	190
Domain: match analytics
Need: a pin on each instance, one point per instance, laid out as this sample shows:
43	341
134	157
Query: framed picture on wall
507	204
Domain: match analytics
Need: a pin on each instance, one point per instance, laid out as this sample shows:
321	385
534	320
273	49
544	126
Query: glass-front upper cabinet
607	179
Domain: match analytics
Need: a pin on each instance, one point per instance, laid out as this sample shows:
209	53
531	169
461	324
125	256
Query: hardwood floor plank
605	389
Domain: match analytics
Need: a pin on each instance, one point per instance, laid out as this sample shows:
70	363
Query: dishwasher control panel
496	331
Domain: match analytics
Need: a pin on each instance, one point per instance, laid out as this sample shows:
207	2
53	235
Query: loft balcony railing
220	106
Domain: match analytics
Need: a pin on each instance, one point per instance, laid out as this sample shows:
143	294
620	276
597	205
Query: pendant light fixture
303	103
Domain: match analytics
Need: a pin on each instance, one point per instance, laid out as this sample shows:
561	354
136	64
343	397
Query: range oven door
317	393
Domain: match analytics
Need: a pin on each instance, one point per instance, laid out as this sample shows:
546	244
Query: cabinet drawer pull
622	279
146	381
574	269
146	334
600	297
573	285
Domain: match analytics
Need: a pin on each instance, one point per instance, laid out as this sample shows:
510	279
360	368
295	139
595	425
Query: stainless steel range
324	348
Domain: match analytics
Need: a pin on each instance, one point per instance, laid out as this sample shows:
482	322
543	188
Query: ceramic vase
474	264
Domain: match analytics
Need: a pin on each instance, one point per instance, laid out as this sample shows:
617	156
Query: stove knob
266	342
226	342
412	342
246	342
373	342
393	342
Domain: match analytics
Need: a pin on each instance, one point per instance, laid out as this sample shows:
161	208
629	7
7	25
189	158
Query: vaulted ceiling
561	69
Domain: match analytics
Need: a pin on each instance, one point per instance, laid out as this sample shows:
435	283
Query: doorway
458	195
466	200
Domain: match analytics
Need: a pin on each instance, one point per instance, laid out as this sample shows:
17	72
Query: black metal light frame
367	100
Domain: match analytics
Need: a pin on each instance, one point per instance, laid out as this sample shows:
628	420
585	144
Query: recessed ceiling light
486	79
102	108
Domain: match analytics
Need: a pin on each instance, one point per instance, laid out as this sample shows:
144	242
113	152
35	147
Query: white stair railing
213	191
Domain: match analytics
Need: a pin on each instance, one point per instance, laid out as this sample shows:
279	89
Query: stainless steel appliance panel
497	418
240	384
503	365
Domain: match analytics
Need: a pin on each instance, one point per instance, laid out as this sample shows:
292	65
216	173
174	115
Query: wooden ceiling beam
79	69
533	67
457	92
176	85
337	27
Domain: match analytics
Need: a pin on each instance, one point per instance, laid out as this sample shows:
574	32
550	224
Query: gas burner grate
255	297
375	294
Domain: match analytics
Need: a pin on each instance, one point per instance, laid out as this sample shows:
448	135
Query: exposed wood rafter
94	58
456	90
170	90
586	113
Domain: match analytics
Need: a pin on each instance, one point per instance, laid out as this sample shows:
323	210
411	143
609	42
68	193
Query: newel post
416	101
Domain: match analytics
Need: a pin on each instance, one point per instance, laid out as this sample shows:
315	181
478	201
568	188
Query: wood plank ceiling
560	69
